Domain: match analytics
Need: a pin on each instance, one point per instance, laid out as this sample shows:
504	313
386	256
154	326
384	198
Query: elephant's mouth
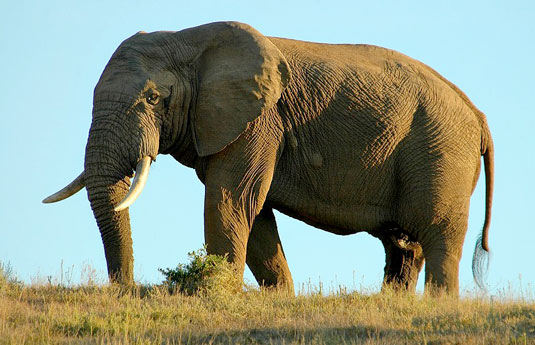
140	178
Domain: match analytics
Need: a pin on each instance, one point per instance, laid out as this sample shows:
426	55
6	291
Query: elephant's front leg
237	181
226	225
265	256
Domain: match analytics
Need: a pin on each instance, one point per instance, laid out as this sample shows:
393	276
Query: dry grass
51	313
107	315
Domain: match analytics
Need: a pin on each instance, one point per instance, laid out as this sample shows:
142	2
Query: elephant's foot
265	256
442	274
404	260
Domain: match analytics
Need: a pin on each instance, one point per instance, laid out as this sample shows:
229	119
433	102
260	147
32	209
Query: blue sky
53	52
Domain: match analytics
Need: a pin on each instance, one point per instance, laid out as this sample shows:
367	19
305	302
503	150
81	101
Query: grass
102	314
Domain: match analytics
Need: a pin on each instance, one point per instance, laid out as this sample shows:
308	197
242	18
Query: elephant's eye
153	98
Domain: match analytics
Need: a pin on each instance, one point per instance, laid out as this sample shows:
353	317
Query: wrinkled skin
346	138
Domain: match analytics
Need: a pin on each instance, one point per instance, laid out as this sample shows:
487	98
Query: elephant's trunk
107	178
104	193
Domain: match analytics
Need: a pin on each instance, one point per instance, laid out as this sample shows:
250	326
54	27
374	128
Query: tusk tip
120	207
50	199
69	190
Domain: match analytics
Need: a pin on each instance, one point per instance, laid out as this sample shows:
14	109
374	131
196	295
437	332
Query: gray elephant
346	138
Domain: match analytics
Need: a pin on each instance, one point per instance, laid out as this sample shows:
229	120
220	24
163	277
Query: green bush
204	273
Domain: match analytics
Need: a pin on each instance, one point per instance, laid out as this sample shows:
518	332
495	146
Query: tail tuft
480	264
480	261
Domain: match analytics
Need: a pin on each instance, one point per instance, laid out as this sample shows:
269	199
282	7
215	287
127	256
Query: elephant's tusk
142	172
71	189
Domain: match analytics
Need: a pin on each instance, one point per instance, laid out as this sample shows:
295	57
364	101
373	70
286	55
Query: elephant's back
378	80
363	56
369	63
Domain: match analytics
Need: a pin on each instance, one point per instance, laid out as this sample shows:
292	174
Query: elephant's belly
335	182
342	214
340	221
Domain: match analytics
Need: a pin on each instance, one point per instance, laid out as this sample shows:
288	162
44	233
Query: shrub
8	280
204	273
6	274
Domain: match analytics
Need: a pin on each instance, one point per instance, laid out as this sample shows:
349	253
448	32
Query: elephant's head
192	91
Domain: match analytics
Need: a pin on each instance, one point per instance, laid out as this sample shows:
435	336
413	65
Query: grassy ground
92	314
106	315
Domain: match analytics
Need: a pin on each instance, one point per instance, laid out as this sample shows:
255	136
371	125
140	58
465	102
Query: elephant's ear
241	74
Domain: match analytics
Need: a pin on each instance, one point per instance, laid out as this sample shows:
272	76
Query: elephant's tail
480	260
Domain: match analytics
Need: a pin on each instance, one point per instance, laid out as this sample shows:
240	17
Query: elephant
346	138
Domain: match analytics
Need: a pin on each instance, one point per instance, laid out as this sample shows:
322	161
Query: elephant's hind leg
265	256
442	242
404	260
442	257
